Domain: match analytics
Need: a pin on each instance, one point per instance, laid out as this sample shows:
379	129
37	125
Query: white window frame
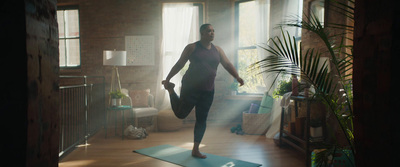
64	38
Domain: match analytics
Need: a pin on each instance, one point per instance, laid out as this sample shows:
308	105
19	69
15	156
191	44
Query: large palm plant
331	79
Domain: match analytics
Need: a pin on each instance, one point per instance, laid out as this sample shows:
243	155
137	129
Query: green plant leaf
331	78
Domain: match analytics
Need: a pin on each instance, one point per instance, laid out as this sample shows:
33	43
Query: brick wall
105	23
310	39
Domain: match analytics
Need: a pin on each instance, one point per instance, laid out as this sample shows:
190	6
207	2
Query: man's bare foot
197	154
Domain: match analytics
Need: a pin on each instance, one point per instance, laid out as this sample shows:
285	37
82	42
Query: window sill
244	97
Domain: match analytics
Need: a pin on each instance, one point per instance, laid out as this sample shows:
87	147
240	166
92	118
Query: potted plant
234	88
116	97
330	78
284	86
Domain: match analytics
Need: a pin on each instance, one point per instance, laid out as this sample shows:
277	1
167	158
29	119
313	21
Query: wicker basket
255	124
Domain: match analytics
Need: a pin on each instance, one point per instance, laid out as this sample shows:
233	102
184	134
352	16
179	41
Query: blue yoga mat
183	157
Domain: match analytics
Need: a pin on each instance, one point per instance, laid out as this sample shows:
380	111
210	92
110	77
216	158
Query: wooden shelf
293	145
294	137
302	145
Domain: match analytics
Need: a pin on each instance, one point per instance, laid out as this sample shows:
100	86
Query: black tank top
202	68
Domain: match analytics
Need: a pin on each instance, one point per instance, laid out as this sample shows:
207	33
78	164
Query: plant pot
115	102
316	131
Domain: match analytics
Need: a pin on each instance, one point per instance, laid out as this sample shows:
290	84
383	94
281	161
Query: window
317	7
181	23
69	37
246	49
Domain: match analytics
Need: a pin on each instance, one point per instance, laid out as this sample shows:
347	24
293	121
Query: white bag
135	133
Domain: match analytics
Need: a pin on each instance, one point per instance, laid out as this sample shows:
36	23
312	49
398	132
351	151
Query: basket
255	124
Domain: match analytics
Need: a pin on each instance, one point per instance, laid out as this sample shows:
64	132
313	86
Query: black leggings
182	106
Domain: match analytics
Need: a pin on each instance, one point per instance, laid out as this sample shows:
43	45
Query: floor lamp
115	59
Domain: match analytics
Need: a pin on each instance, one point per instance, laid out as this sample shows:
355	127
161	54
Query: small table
116	109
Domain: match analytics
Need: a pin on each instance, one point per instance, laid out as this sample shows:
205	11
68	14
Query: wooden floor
218	140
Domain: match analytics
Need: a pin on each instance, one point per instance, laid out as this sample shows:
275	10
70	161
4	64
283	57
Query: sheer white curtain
178	21
263	35
271	13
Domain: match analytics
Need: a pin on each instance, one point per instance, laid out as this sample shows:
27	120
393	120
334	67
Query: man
198	82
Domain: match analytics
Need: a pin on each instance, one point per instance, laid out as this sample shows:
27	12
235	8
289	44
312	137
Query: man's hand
240	80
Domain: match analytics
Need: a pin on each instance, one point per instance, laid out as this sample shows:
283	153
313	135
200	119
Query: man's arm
181	62
229	66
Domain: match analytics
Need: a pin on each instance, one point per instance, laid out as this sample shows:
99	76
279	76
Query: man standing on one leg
198	82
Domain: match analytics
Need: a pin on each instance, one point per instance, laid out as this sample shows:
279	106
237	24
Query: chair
142	112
